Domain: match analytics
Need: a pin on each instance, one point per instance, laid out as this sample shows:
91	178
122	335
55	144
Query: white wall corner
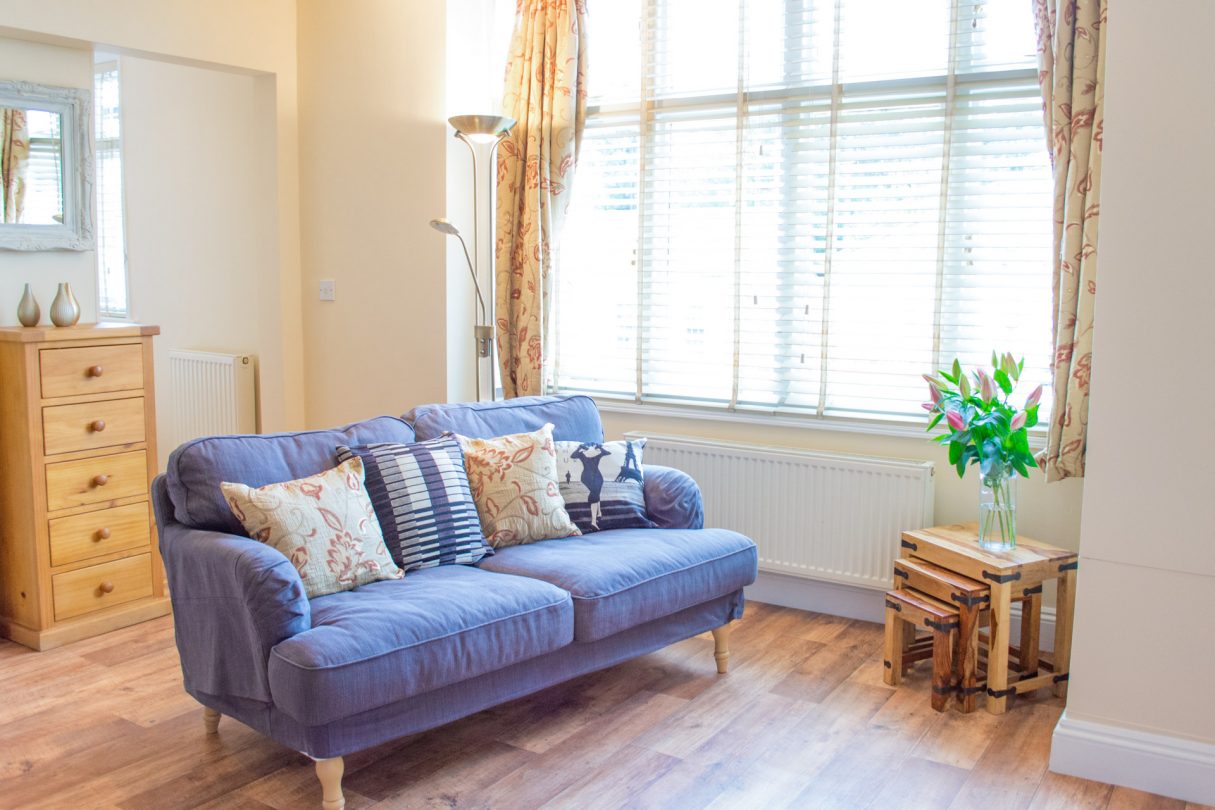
1157	763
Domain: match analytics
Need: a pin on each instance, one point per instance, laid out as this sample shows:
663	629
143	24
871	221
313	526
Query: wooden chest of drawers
78	553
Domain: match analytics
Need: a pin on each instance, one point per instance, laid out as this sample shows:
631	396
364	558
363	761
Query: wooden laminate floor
803	720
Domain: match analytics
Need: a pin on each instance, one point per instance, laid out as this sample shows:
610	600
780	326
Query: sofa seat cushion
390	640
621	578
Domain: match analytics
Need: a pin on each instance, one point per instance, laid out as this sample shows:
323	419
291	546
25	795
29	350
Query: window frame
118	145
834	94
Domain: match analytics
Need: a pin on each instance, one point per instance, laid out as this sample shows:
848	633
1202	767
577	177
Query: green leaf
955	452
945	375
961	468
1002	380
934	420
1019	466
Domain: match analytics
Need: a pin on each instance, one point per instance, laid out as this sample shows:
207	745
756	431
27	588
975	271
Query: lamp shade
487	127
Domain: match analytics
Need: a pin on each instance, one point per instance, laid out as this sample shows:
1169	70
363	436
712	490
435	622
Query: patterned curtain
14	160
546	95
1071	60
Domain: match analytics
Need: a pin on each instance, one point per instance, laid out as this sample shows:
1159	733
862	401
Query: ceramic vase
28	311
998	509
65	309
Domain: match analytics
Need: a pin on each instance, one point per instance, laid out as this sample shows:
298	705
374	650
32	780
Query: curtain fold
546	94
1071	59
14	160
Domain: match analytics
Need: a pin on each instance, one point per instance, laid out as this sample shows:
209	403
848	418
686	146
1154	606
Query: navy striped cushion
423	502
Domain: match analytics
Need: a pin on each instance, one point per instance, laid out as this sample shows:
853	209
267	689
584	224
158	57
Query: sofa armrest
233	600
672	498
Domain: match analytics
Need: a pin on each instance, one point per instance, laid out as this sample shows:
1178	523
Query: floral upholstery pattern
545	93
514	483
324	524
1071	62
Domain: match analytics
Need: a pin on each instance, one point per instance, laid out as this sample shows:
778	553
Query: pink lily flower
1034	397
1018	422
955	420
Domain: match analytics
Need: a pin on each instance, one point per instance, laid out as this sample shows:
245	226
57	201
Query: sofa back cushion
198	467
575	418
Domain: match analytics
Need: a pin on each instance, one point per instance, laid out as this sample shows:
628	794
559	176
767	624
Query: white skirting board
1156	763
855	602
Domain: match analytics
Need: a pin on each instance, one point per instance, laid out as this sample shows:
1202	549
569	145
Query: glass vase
998	509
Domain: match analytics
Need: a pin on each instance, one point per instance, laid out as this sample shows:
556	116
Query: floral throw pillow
324	524
514	483
602	484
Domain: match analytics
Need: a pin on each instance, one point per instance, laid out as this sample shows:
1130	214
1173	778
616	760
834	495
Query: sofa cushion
196	469
575	418
423	501
602	484
390	640
325	524
623	577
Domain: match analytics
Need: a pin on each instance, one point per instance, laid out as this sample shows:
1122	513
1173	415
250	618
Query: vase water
998	509
65	309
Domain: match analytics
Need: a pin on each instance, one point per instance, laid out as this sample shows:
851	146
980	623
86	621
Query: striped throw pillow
422	499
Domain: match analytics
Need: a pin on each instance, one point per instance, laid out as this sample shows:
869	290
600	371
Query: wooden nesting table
1012	575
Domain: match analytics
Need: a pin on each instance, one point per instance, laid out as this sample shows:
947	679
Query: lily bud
985	386
1018	422
1010	367
957	368
955	420
964	387
928	406
933	382
935	393
1034	397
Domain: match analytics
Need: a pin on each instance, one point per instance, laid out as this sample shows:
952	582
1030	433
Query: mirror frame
75	107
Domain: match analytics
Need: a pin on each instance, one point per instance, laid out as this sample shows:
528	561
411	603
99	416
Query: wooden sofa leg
211	719
329	771
721	647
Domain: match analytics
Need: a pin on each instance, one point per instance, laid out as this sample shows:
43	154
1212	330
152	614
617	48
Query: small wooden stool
970	598
907	609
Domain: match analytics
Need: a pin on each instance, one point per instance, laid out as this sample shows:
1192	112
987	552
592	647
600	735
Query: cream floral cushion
514	483
325	524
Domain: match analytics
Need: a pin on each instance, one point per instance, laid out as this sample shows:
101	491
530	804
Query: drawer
92	425
96	480
100	586
91	370
105	531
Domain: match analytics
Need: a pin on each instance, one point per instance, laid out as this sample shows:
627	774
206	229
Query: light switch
328	290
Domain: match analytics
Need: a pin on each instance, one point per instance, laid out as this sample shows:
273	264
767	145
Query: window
800	206
44	173
112	298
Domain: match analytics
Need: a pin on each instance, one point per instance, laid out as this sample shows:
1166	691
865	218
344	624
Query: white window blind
800	206
112	298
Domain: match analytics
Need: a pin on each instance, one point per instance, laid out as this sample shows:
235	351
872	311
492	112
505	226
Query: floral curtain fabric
1071	59
546	94
14	159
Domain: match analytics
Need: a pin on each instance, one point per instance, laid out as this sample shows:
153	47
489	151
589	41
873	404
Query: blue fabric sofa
336	674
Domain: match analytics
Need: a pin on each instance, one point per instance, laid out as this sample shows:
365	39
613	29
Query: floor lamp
478	132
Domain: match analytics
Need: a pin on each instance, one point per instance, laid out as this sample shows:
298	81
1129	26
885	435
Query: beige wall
1143	650
200	200
251	36
64	67
372	156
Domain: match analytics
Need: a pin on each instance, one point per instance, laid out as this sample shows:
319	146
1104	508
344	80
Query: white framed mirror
46	167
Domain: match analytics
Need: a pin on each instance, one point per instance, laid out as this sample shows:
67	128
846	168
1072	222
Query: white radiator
824	516
211	393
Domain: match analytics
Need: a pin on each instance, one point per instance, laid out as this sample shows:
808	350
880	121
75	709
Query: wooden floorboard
803	720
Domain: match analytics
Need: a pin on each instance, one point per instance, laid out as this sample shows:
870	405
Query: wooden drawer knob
95	371
107	587
102	534
100	480
97	426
